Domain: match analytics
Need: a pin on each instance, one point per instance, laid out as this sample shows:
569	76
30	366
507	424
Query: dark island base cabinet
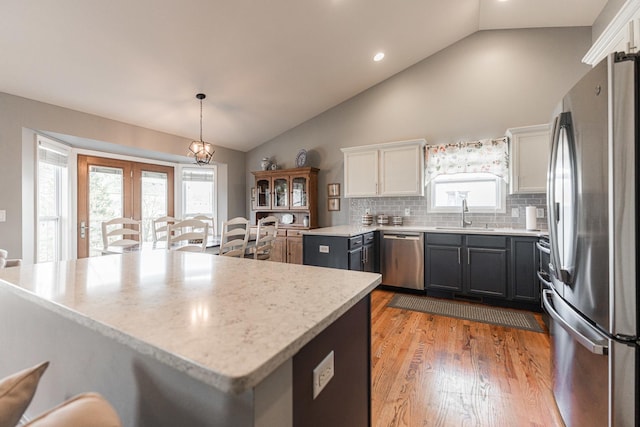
346	399
497	270
348	253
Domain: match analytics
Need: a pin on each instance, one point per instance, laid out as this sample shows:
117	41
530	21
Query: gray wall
606	15
476	88
19	117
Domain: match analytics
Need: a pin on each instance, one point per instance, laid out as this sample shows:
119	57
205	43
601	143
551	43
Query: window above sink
484	192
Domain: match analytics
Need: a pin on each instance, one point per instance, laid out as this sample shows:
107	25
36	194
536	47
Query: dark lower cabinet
443	262
369	253
346	399
524	260
349	253
486	265
498	270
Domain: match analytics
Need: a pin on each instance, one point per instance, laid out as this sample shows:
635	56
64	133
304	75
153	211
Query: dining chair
209	220
189	235
265	238
160	227
235	235
126	232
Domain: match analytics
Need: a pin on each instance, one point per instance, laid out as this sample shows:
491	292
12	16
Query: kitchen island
174	338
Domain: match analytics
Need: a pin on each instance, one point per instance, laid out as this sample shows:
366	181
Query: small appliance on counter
367	219
396	220
383	219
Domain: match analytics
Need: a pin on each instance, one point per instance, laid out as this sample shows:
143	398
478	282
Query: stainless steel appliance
592	203
544	259
402	259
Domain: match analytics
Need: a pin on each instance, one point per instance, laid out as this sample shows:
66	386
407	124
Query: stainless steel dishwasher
402	259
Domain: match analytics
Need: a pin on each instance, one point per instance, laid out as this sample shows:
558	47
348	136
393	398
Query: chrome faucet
465	209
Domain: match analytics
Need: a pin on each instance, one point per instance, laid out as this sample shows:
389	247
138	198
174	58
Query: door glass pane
298	191
48	212
154	201
263	193
280	192
105	202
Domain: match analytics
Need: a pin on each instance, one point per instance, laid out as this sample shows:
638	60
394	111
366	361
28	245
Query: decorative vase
265	163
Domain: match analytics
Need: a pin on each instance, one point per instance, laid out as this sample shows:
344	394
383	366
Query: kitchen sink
464	228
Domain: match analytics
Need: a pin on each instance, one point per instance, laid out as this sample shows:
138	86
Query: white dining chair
213	229
160	227
189	235
120	233
235	235
265	238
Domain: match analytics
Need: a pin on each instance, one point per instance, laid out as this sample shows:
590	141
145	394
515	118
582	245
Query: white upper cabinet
361	173
391	169
530	148
621	35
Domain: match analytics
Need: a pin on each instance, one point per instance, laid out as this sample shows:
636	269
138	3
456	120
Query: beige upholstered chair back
266	237
235	235
189	235
120	232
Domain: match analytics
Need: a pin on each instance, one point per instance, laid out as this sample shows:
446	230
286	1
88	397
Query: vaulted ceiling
266	66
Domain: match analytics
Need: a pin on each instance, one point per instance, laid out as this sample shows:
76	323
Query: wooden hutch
291	195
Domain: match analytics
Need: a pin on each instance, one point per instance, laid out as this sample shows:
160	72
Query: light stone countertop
228	322
354	230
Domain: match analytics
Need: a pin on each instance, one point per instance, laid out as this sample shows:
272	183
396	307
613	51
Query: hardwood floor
430	370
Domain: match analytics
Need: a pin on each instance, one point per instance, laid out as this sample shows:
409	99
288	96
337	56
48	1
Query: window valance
486	155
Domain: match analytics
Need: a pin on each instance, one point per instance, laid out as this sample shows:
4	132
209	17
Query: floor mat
478	313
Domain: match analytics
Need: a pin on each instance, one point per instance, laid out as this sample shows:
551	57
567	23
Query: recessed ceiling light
378	57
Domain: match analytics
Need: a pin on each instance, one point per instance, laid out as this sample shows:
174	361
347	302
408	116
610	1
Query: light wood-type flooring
430	370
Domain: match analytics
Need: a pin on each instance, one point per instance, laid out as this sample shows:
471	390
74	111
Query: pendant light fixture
201	151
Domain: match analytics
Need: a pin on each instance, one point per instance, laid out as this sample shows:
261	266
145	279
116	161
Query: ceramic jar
265	163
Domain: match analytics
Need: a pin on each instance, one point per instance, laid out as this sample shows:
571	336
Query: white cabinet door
530	146
401	171
389	169
361	173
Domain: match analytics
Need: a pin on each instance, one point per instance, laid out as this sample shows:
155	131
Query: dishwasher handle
401	236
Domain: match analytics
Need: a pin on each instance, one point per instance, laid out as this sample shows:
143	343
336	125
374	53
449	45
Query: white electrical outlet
540	213
407	211
515	213
322	374
3	215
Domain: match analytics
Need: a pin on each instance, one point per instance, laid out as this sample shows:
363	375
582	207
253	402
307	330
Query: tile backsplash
396	206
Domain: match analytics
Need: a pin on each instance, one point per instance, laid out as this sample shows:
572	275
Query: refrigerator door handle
596	347
552	205
562	259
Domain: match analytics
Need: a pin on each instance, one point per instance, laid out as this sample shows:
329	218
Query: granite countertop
354	230
228	322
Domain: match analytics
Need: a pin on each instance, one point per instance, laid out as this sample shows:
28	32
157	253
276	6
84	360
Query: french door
110	188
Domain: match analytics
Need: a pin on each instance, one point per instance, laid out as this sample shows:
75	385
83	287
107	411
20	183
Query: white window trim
501	196
65	246
179	193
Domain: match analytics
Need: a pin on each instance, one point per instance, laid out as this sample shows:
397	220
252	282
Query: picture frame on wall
333	204
333	190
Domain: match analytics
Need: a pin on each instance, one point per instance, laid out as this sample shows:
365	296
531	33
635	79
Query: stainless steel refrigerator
592	199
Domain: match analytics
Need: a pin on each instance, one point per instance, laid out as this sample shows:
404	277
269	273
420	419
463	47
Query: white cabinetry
391	169
621	35
530	147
